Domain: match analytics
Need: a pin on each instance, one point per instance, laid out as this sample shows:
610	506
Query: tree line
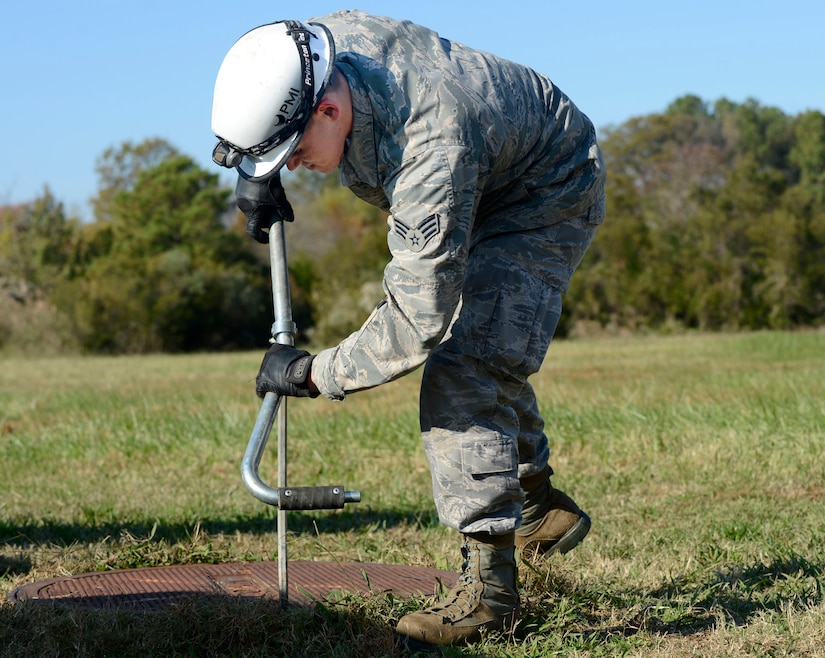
715	221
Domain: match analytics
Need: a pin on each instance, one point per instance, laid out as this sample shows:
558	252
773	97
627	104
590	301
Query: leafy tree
164	274
806	201
118	170
36	241
37	249
715	220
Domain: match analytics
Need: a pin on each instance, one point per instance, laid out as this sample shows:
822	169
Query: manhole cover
152	587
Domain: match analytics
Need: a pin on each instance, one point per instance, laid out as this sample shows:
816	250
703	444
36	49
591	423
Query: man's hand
263	203
285	370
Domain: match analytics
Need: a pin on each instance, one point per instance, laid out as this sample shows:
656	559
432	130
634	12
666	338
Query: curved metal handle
283	331
303	498
255	450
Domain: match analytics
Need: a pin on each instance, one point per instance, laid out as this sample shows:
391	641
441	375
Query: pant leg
480	422
533	446
472	407
470	437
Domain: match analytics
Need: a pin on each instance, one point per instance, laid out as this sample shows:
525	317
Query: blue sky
79	77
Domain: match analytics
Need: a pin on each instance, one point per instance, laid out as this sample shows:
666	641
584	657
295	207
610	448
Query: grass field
698	457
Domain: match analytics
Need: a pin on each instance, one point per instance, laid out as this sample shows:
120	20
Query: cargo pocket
482	458
508	316
490	470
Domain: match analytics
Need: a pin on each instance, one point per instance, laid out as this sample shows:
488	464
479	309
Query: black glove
285	370
263	203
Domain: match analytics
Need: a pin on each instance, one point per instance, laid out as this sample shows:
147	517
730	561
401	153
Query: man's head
322	145
270	84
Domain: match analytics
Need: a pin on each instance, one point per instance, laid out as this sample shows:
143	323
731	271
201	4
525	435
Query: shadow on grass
48	531
736	594
205	625
13	566
221	626
742	591
200	627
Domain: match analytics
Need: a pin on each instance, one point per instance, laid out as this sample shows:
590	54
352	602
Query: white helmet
267	88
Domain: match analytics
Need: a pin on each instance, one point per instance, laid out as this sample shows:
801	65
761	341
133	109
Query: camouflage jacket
456	145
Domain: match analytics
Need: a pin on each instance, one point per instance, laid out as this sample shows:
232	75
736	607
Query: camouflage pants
480	421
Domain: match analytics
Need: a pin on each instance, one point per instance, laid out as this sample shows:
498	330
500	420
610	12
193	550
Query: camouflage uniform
494	186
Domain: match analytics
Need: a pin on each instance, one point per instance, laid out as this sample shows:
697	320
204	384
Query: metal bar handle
286	498
283	331
255	450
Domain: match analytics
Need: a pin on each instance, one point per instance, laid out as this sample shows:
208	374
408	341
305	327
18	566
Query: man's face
321	148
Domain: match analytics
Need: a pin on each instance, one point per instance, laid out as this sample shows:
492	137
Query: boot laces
465	597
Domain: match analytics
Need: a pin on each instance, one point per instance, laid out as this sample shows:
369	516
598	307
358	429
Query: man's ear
328	108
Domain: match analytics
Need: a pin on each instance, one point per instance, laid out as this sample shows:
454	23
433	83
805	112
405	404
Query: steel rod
283	332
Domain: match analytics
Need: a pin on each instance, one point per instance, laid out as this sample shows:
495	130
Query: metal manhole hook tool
283	497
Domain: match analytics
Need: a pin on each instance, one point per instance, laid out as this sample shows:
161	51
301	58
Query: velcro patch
299	369
416	238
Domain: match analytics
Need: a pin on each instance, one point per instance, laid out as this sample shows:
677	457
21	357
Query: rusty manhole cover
152	587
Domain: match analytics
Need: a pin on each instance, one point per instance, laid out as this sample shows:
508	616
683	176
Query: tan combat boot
551	520
484	598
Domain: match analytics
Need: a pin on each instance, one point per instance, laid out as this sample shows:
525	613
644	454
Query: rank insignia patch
416	238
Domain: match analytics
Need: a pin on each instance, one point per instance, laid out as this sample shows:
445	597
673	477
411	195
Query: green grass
699	458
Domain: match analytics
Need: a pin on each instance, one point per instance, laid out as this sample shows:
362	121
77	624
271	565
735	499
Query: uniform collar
360	162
